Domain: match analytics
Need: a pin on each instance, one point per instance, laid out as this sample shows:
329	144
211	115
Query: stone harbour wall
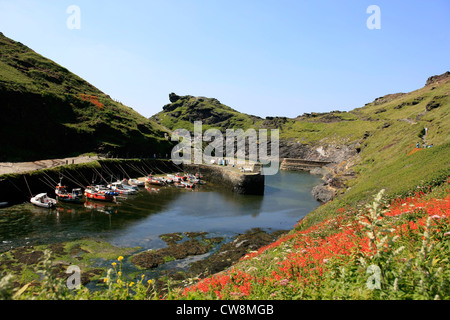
230	178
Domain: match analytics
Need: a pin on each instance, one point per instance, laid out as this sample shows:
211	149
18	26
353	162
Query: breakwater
231	178
290	164
18	188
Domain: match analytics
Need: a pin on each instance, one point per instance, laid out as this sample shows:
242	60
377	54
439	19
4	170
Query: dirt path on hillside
21	167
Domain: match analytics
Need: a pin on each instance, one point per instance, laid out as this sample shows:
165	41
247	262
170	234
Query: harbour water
141	219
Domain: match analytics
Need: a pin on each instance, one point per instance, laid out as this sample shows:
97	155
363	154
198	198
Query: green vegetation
389	158
388	250
400	242
24	263
184	110
48	112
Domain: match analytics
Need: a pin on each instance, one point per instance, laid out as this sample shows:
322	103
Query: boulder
173	97
324	193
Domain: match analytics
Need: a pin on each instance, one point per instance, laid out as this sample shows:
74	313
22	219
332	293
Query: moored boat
43	200
136	182
172	178
180	176
179	185
122	189
155	181
76	196
100	193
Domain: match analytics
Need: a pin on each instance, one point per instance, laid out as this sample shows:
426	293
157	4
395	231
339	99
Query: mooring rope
100	176
16	186
74	179
124	171
28	185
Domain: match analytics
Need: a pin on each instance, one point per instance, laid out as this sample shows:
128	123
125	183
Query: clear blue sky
262	57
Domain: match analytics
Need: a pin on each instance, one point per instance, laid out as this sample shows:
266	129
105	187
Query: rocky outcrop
332	161
173	97
335	177
438	78
324	193
387	98
334	153
232	252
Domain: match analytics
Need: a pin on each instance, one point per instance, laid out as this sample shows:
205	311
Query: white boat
136	182
121	189
155	181
173	178
128	187
3	204
43	201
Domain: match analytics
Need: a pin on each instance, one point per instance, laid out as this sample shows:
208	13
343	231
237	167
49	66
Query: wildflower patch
388	250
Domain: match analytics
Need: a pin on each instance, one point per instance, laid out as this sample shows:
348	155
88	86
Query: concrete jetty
291	164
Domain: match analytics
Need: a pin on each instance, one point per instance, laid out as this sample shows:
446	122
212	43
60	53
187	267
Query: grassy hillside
47	111
312	128
184	110
384	132
388	157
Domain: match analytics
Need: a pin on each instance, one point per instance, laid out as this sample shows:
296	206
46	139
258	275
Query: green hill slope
184	110
47	111
387	156
379	138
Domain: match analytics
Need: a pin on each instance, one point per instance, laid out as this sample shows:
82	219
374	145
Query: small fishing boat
133	188
180	176
76	196
136	182
100	193
122	189
127	185
172	178
165	180
124	184
3	204
42	200
179	185
155	181
194	180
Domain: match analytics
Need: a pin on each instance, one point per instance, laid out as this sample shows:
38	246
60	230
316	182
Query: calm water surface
140	219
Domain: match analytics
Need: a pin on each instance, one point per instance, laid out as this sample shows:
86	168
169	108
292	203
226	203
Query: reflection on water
140	219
